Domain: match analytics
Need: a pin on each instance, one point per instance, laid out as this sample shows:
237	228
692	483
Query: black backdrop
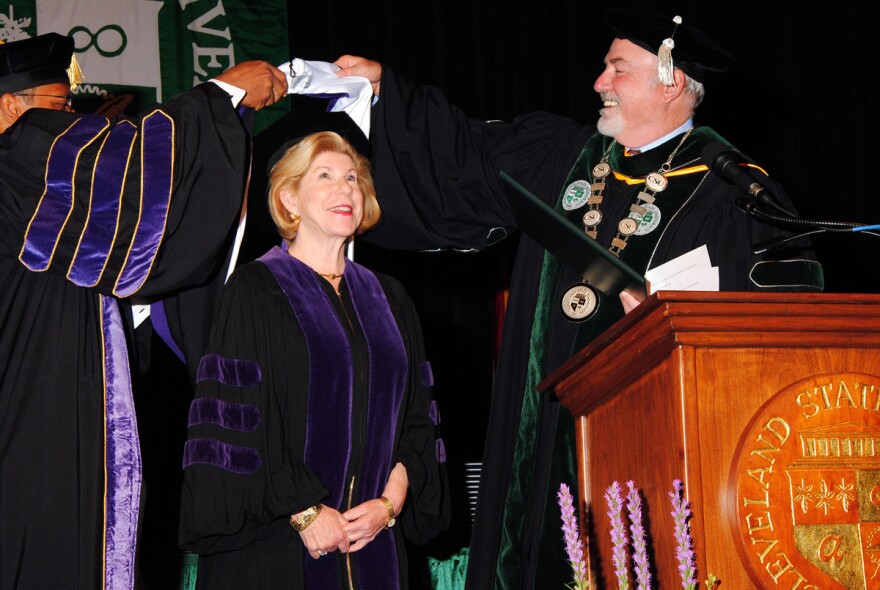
802	101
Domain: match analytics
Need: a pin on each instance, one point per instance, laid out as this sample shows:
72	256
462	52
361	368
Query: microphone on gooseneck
733	167
730	165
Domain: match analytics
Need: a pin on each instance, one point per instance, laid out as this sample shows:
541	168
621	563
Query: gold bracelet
392	520
305	518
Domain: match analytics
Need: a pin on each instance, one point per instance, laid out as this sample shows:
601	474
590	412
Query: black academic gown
437	179
93	210
301	426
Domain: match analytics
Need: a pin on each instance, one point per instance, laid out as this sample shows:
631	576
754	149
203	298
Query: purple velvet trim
388	374
232	372
441	450
100	231
123	459
208	451
329	428
426	373
209	410
157	176
434	412
377	568
328	423
56	203
160	325
376	564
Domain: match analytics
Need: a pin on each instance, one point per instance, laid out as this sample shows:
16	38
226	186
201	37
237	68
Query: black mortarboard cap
27	63
694	53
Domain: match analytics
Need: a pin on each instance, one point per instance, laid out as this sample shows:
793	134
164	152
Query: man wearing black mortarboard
92	210
637	186
36	73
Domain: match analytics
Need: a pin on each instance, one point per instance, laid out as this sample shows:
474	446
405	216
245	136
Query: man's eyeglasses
68	100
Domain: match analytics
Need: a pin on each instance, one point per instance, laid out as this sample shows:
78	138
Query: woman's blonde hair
288	172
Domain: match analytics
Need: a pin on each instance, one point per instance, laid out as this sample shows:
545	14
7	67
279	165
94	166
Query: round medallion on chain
592	218
576	195
647	221
627	226
656	182
580	302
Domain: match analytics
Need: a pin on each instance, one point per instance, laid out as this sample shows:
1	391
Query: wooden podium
766	406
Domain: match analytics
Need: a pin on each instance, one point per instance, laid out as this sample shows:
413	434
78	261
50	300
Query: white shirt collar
689	124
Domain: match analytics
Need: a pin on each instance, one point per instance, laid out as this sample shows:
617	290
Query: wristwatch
392	520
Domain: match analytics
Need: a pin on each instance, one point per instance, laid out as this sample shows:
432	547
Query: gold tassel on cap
665	67
75	73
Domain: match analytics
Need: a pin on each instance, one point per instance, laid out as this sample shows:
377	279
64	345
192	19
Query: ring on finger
322	553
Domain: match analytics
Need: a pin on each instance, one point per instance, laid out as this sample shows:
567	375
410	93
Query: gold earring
294	218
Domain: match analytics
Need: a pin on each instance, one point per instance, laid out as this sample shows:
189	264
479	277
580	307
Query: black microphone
727	163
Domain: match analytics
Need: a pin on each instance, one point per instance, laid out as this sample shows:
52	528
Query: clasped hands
347	531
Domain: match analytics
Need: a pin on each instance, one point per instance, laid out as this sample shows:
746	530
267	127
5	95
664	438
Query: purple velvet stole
122	486
329	428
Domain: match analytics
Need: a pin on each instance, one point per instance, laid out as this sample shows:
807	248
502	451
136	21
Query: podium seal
805	486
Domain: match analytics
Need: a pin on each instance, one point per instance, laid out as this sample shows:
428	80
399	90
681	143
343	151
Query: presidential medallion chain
655	182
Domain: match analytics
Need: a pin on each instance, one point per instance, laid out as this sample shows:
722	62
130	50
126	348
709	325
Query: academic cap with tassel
677	44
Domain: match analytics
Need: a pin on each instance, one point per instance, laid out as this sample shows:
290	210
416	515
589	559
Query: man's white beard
610	125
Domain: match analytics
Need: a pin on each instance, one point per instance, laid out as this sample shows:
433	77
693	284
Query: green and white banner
135	52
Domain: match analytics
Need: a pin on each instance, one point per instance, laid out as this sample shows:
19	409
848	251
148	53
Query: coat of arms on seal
806	486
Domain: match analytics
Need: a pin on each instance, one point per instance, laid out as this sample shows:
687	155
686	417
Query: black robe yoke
91	210
437	180
235	509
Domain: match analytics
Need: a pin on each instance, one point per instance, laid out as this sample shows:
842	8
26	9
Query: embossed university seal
805	486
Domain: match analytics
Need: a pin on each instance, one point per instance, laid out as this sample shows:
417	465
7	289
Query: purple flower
640	549
618	534
681	514
571	533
